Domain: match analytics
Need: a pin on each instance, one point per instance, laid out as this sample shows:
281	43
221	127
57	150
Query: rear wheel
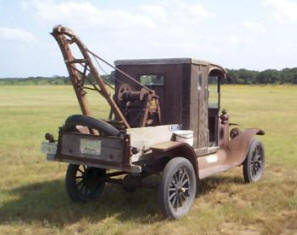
254	163
177	188
84	183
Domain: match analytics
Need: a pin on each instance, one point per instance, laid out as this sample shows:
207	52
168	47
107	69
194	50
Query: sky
252	34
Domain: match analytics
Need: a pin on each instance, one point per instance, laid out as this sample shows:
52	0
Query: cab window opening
152	79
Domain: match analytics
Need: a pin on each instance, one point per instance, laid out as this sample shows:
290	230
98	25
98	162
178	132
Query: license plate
49	148
90	147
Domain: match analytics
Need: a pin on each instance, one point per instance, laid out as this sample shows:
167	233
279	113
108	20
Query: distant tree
240	76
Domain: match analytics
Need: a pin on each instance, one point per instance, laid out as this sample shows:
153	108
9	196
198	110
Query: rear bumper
91	150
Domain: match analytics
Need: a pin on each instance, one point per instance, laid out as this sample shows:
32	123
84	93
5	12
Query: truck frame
165	119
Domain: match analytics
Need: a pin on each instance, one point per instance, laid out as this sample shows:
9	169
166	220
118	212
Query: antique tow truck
164	119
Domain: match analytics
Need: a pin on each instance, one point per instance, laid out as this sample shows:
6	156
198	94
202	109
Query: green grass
32	191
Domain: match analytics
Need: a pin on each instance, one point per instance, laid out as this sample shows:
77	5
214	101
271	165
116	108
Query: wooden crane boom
78	68
149	109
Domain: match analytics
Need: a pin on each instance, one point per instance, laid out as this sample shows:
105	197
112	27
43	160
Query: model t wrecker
152	101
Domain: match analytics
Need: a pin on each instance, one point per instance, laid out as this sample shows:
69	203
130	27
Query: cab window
152	80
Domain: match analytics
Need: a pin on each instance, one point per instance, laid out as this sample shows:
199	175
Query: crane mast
79	68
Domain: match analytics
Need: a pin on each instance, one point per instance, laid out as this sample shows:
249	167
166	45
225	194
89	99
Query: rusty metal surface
140	108
74	74
230	155
147	111
237	147
65	37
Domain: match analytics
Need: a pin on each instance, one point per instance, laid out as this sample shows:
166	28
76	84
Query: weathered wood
161	61
182	101
110	149
166	146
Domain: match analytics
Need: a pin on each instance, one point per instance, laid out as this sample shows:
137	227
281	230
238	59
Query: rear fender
172	149
237	148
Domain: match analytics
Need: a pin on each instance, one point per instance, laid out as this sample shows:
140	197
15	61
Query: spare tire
90	122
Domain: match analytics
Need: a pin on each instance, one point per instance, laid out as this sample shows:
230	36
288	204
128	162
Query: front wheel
84	183
253	165
177	189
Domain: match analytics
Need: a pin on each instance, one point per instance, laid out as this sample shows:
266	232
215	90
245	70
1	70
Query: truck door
203	135
213	109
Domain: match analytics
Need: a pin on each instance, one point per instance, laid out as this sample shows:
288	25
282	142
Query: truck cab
188	90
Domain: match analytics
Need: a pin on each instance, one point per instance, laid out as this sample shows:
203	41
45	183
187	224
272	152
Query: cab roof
161	61
170	61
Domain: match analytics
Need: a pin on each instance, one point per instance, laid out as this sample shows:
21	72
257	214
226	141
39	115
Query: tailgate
97	151
91	147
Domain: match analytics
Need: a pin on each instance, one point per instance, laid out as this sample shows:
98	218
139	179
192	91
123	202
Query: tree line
54	80
239	76
269	76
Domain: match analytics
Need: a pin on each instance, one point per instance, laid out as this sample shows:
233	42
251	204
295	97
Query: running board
213	170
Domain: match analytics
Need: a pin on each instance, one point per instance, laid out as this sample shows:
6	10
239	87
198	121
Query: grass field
33	197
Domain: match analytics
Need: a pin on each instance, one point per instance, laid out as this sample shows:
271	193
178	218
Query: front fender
237	148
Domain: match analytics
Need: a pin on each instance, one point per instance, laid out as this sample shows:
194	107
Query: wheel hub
256	163
89	181
178	189
90	178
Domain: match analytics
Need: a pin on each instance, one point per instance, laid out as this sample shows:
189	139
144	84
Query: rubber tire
71	185
90	122
169	170
247	174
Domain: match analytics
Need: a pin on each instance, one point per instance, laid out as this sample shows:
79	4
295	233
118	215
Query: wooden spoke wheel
178	188
253	165
84	183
